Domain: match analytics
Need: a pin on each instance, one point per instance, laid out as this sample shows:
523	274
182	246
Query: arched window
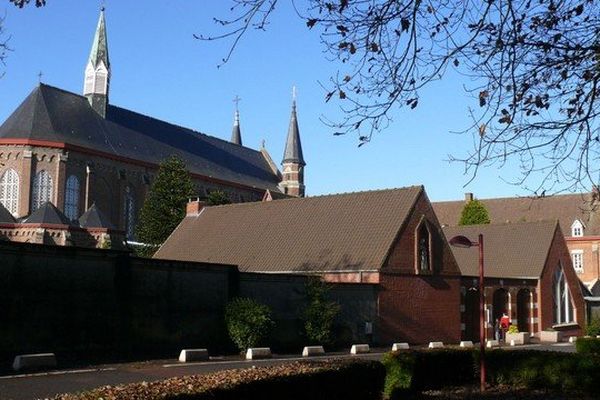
577	229
9	191
72	198
423	253
563	306
41	191
129	213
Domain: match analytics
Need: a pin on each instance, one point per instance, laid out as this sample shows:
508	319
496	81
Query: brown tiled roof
565	208
345	232
516	250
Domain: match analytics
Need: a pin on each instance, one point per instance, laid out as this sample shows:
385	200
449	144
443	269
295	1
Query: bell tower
293	160
97	72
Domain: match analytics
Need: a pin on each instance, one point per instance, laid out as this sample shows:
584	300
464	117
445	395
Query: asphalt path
49	384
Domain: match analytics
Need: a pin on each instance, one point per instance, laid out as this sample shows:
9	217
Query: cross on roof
237	100
40	74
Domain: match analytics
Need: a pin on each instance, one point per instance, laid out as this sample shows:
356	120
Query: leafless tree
532	67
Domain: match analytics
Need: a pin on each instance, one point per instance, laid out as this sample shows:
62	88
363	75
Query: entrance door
523	309
472	324
500	304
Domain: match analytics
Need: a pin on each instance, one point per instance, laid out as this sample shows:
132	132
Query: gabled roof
270	196
566	208
516	250
345	232
94	218
48	214
55	115
5	216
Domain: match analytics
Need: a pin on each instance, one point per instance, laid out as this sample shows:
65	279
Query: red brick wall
591	259
402	255
559	254
419	309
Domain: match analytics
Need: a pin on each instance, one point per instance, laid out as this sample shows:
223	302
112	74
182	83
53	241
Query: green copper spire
100	47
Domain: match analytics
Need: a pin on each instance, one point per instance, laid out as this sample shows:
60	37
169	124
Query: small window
41	190
577	257
577	229
72	198
423	248
129	213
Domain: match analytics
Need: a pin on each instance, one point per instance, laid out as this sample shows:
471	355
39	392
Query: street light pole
482	326
464	242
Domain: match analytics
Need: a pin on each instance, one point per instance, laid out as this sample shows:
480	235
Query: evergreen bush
248	322
319	314
589	346
593	328
474	213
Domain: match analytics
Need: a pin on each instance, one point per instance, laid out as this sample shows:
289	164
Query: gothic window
577	257
129	213
9	191
563	307
577	229
423	248
41	192
72	198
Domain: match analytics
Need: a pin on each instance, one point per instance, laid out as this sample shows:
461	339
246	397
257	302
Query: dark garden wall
95	305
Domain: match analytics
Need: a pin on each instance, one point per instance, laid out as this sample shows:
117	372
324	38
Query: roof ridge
414	187
541	221
516	197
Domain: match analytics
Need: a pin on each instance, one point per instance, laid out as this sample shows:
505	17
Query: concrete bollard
492	343
467	344
400	346
513	343
34	361
436	345
360	349
256	353
572	339
191	355
311	351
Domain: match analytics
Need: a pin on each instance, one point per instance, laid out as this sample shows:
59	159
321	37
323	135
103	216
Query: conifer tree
474	213
164	207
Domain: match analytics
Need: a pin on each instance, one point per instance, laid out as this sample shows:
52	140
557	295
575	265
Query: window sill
566	325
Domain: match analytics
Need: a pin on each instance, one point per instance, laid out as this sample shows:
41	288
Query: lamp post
464	242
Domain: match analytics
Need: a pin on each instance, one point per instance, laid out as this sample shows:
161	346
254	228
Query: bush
588	346
474	213
297	381
319	314
248	322
593	328
513	329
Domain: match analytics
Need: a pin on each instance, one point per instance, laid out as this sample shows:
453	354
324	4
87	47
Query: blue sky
159	69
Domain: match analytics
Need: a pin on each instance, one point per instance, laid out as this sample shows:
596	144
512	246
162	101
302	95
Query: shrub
474	213
319	314
513	329
588	346
296	381
248	322
593	328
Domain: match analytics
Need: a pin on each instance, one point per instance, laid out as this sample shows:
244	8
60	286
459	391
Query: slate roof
345	232
293	146
566	208
5	216
517	250
94	218
52	114
48	214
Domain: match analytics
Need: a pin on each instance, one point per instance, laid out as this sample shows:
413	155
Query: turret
97	71
236	133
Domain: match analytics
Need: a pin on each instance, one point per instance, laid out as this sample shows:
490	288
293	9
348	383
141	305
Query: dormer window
577	229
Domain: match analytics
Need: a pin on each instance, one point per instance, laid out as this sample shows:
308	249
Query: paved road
27	387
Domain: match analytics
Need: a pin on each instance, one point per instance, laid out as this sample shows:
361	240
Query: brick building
74	151
390	239
528	275
578	215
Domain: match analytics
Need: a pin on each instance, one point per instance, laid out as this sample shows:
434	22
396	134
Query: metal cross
40	74
294	92
237	100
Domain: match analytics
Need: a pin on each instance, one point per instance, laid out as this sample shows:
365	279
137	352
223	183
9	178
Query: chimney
194	207
468	197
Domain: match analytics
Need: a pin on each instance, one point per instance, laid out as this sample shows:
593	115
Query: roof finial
40	74
294	94
236	134
237	100
263	144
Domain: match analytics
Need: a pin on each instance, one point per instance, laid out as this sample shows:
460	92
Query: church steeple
293	159
236	134
97	71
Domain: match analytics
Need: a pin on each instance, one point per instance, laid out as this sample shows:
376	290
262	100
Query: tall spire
293	159
97	72
293	146
236	134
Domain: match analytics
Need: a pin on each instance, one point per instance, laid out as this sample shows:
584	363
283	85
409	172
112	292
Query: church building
75	151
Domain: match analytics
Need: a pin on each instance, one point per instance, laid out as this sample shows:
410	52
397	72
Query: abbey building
66	152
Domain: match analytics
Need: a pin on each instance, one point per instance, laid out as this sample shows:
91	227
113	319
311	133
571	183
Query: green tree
164	207
248	322
474	213
320	313
217	198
